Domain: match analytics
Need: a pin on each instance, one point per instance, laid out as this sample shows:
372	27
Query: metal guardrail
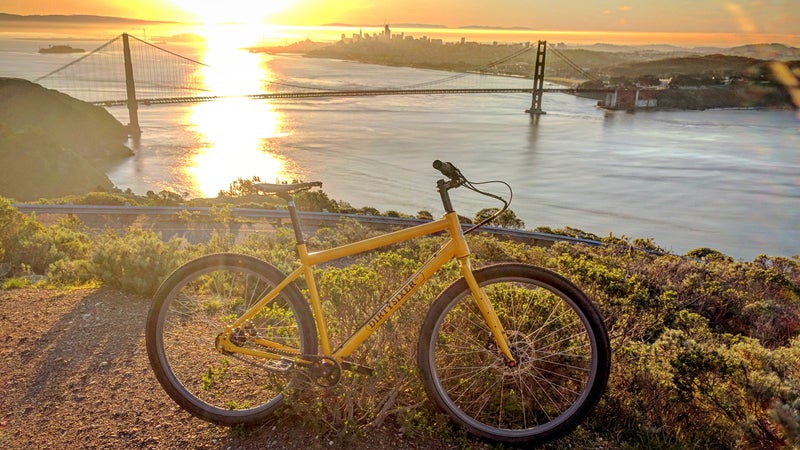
311	218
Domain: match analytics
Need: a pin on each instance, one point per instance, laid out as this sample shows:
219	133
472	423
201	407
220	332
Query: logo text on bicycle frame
387	308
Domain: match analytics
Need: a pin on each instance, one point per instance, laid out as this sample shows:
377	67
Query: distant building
630	99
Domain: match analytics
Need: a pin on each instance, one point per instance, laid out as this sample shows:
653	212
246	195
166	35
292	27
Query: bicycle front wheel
193	306
557	338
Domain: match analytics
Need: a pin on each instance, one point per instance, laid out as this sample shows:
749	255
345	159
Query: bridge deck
353	93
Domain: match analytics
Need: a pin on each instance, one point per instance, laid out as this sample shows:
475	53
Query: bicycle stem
444	187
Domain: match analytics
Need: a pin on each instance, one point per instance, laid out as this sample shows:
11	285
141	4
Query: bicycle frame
455	247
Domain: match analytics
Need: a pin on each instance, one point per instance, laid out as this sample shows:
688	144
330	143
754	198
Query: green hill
52	144
720	65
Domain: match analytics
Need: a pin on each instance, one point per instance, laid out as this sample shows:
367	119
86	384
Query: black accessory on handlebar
448	170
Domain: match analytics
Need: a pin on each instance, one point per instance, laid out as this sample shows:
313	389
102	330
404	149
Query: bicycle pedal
357	368
281	365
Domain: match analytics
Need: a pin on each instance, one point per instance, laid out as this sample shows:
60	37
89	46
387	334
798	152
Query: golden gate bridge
130	71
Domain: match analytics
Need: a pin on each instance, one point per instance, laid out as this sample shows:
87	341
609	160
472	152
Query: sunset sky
769	20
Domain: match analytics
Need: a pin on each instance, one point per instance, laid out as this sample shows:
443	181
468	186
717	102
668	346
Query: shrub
25	242
71	272
488	248
138	260
103	198
278	248
315	201
424	215
508	219
17	234
241	187
164	198
700	347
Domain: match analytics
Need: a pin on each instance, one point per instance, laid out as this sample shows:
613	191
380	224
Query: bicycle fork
488	312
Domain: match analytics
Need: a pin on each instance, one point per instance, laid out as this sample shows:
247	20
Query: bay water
725	179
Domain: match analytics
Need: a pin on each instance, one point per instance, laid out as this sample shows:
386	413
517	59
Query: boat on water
61	49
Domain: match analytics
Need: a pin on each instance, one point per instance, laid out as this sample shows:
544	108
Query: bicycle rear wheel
193	306
557	337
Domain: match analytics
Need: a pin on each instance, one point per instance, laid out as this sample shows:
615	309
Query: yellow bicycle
513	352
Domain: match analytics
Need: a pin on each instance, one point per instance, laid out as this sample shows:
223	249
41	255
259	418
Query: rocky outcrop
52	144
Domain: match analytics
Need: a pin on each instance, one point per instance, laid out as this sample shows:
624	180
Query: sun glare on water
236	131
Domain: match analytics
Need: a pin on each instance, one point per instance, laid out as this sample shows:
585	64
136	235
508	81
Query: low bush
137	261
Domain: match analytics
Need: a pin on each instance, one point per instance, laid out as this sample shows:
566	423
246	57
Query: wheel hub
521	349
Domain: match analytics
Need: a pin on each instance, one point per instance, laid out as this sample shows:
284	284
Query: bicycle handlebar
458	179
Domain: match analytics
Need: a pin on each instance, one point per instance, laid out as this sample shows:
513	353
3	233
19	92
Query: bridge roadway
165	220
353	93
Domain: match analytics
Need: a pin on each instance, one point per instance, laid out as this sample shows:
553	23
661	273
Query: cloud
607	11
626	8
745	24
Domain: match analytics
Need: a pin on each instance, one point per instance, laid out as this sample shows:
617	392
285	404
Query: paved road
196	223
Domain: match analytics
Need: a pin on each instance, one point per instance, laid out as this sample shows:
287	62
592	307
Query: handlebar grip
447	169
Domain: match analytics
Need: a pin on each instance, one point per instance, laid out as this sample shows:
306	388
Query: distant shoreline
50	39
78	18
429	26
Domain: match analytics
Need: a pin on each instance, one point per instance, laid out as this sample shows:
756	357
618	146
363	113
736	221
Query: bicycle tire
191	308
557	336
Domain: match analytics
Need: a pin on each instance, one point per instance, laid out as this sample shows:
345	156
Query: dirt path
75	375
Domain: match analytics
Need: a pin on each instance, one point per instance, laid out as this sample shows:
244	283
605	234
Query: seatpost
443	188
298	232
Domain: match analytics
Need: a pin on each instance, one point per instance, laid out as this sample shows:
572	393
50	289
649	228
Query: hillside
774	51
687	65
52	144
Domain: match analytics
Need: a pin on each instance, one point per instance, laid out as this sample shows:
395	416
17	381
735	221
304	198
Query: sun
236	11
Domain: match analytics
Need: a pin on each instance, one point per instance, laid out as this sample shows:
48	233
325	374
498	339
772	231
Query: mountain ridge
79	18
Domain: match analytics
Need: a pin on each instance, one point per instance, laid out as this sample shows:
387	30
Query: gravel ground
75	375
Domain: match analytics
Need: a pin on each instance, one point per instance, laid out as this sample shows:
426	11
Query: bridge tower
538	80
133	107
